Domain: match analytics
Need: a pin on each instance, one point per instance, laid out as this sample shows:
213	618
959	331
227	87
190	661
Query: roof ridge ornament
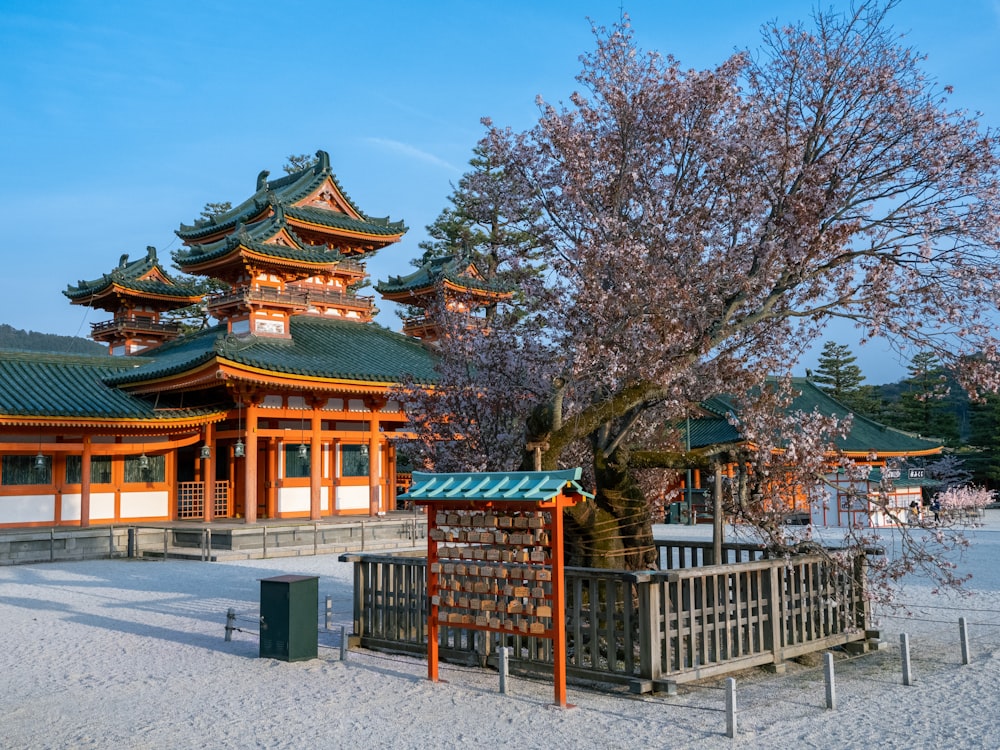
262	179
230	343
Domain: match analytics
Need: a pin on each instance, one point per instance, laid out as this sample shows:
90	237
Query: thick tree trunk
614	530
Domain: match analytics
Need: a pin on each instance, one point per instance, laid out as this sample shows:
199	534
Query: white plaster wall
102	506
324	499
293	499
145	505
353	498
28	509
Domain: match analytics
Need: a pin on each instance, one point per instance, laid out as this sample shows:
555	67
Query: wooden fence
649	630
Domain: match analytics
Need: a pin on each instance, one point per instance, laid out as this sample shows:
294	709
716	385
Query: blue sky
120	120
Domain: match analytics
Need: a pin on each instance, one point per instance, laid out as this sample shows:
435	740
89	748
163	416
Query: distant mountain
32	341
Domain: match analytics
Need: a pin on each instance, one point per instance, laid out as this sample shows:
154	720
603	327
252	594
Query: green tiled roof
866	434
285	191
511	486
128	275
58	385
343	221
319	347
450	268
254	237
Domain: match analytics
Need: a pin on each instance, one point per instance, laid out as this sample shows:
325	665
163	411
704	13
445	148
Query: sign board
495	555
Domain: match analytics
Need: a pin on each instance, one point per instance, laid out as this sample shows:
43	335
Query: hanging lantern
144	462
303	451
364	450
40	463
206	451
239	450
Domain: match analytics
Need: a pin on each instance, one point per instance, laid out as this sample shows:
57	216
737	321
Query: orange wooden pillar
558	604
432	585
315	462
375	504
250	467
85	483
208	473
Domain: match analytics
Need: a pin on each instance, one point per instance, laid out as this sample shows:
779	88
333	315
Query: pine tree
475	228
841	378
923	408
837	374
298	162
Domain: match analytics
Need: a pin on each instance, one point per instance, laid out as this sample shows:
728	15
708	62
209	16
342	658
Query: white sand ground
131	654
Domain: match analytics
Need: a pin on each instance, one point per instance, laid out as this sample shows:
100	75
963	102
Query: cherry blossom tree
699	228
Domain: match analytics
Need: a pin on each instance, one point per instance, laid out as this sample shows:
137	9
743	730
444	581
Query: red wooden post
558	603
432	589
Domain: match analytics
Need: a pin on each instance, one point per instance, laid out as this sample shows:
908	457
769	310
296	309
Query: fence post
831	686
963	634
861	605
165	531
263	542
730	707
230	623
650	663
904	646
343	643
504	668
316	541
774	596
329	611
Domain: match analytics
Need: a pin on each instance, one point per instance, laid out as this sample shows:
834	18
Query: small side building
882	449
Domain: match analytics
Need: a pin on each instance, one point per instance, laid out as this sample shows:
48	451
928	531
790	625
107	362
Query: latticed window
296	464
145	468
100	469
26	470
354	460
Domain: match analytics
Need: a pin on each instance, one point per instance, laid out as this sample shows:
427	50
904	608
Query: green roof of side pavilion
509	486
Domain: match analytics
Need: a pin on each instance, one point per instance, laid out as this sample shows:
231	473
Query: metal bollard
963	634
343	643
831	686
904	647
730	707
329	612
504	667
230	623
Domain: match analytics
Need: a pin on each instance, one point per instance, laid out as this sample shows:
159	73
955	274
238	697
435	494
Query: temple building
283	409
886	455
453	284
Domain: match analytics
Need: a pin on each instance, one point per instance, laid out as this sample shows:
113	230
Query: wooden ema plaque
494	570
497	565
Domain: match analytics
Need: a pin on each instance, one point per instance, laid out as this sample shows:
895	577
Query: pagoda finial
262	179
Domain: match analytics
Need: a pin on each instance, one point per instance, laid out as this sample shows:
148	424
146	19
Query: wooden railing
649	630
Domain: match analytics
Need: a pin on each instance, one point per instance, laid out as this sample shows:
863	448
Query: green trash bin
289	616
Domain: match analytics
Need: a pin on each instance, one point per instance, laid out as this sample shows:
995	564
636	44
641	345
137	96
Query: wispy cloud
412	151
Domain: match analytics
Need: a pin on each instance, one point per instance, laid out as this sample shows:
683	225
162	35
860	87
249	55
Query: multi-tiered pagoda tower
296	246
137	293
